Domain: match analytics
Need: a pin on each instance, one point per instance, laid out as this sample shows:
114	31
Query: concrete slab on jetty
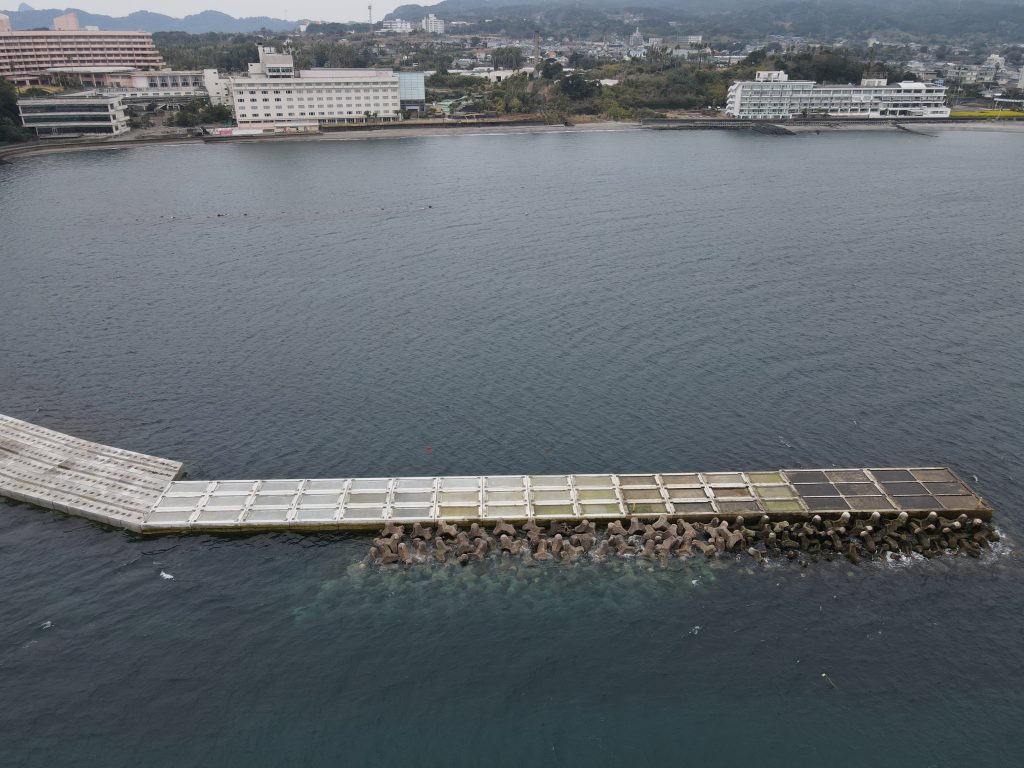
367	503
139	492
56	471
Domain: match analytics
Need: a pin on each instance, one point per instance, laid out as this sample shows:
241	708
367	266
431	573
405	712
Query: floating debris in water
165	575
856	539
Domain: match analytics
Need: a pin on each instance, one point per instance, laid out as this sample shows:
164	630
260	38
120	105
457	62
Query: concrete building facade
26	56
397	25
272	96
773	96
74	115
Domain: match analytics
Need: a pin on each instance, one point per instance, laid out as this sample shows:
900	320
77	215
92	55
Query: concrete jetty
140	492
57	471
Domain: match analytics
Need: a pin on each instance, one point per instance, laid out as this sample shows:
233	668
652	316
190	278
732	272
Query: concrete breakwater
668	538
141	493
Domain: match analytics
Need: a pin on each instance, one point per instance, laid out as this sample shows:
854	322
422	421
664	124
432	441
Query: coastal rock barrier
672	537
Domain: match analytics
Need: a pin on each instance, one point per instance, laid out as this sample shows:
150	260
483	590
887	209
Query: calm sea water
506	304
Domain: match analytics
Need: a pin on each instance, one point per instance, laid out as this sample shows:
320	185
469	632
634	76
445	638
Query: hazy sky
329	10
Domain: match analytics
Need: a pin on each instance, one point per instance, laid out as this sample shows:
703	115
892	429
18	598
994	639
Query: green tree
10	119
198	112
577	87
551	70
508	57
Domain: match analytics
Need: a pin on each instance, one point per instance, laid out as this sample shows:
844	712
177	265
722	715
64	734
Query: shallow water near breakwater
510	304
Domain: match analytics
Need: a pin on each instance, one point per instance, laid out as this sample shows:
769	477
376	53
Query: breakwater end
56	471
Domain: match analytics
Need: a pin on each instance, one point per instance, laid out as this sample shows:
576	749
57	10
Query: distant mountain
27	17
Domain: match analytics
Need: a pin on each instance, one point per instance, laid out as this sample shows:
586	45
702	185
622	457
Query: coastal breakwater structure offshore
796	513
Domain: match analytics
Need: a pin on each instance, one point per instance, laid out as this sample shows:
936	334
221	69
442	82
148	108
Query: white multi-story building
272	96
432	24
74	115
25	56
218	88
398	25
773	96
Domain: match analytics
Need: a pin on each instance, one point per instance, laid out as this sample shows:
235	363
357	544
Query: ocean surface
549	303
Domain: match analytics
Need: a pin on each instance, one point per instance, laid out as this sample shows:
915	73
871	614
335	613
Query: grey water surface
591	302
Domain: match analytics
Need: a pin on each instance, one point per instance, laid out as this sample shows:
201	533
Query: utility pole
369	10
536	53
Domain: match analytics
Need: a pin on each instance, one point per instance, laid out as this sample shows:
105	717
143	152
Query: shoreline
924	128
10	153
780	128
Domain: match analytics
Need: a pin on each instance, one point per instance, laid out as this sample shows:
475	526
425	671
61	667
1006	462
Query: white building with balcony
773	96
25	56
74	115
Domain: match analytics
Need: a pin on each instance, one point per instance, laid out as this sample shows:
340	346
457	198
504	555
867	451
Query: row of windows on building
31	119
310	89
174	82
324	98
268	115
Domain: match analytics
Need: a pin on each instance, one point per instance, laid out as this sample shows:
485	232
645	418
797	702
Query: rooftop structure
139	492
26	56
66	23
772	96
74	114
272	64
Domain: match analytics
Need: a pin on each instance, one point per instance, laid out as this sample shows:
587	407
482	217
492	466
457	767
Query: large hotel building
273	95
26	56
773	96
